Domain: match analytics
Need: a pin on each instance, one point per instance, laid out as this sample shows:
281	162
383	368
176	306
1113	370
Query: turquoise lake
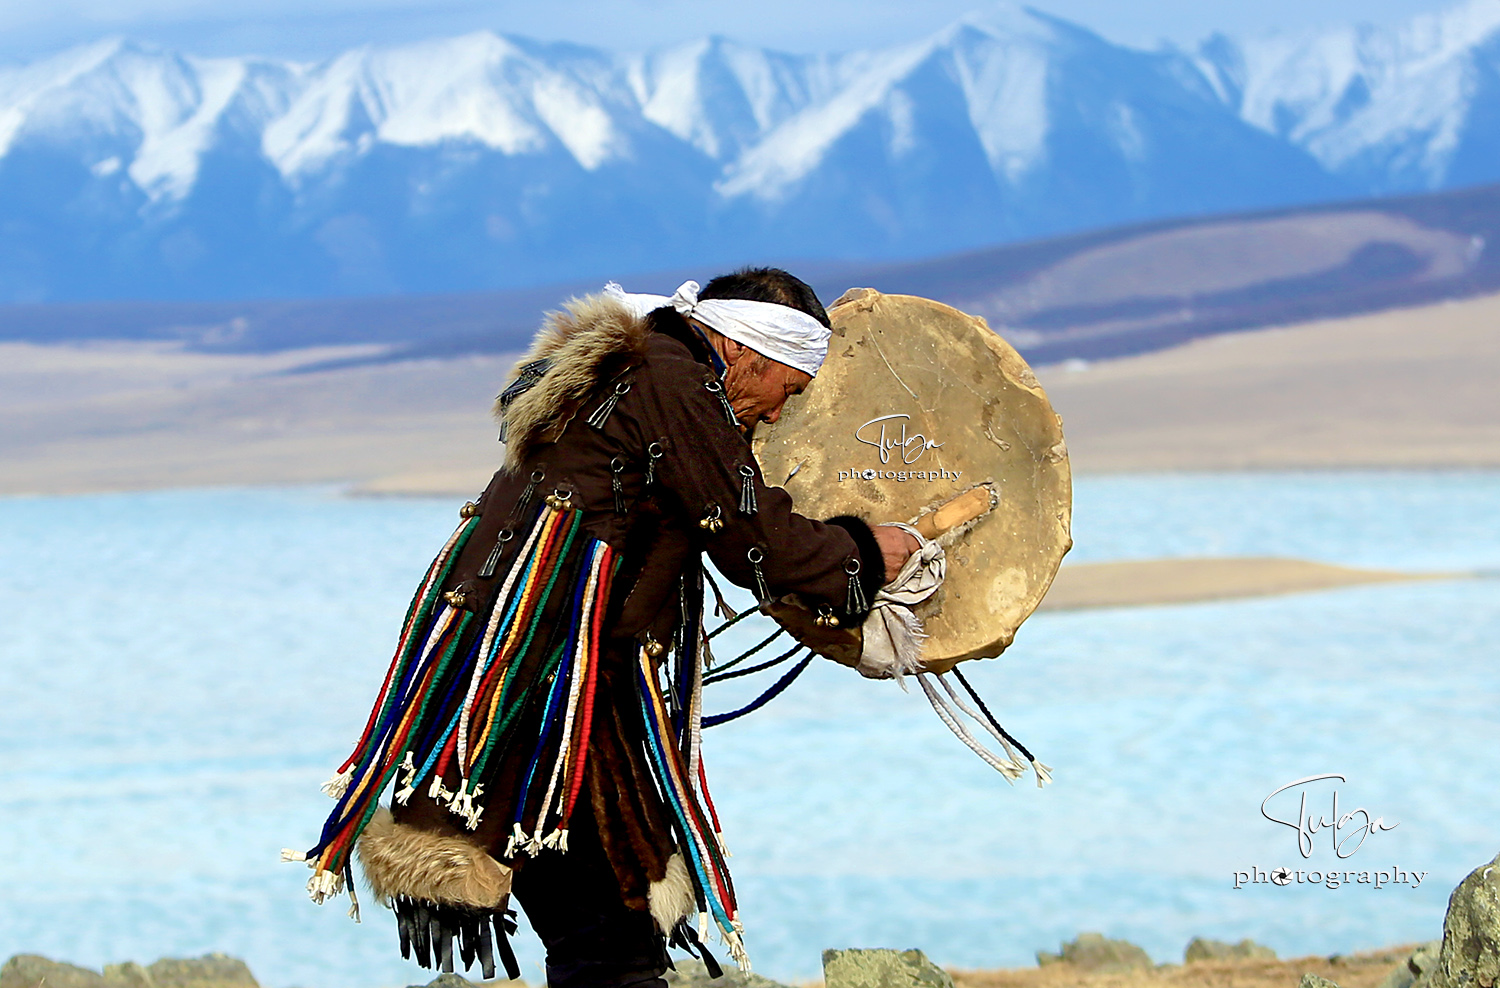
181	670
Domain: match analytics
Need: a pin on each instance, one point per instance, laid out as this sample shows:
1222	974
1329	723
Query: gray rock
455	980
1410	968
1310	980
1470	954
1095	952
35	971
692	974
1424	958
208	971
447	980
1202	949
127	975
882	969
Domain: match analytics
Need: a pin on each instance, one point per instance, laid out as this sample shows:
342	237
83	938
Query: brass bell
654	648
469	510
455	598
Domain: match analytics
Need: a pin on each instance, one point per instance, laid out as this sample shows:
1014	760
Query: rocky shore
1468	956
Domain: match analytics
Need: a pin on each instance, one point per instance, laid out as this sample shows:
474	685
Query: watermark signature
911	447
901	475
1347	833
1360	819
1377	878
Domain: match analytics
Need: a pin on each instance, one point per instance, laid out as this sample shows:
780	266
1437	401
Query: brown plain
1362	970
1410	388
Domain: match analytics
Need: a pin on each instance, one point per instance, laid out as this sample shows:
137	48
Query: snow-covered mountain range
485	161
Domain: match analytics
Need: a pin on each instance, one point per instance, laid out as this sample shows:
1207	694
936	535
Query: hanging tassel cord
733	621
550	715
608	565
577	675
719	677
365	796
721	606
493	729
519	614
710	874
438	740
1043	772
384	748
708	801
561	674
957	701
500	617
401	672
719	670
990	718
417	614
695	696
781	684
1010	770
676	784
439	756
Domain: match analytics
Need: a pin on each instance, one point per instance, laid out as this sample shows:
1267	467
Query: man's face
758	387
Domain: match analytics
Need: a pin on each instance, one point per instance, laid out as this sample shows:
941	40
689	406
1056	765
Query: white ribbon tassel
336	786
1043	772
409	776
323	885
736	943
517	842
1007	768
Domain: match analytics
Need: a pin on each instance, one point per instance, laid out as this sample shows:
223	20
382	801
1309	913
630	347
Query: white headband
778	331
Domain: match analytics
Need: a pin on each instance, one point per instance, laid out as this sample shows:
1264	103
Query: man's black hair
767	285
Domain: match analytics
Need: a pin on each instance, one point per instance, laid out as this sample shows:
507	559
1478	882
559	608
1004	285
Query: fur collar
590	341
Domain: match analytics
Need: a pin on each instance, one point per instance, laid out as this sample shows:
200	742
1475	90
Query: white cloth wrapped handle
893	635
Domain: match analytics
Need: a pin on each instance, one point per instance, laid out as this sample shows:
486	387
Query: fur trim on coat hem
672	899
399	859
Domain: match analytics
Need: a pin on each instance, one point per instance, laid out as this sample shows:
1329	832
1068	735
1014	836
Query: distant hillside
1130	290
1101	294
485	162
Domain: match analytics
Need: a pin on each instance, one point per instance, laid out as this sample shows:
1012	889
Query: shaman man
540	722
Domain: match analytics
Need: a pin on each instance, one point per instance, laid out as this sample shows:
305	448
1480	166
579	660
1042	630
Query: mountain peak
489	159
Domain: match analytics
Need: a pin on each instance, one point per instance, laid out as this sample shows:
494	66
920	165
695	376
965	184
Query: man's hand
895	546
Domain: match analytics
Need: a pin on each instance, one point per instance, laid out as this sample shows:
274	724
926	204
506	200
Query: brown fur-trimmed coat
660	368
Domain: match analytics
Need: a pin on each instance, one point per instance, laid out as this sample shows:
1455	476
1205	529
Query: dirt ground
1362	970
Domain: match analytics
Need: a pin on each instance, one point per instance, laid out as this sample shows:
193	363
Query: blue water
181	670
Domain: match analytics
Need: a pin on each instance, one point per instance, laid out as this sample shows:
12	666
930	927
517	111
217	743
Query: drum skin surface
918	402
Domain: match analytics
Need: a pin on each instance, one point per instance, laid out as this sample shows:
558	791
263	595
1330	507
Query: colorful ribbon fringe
702	845
419	727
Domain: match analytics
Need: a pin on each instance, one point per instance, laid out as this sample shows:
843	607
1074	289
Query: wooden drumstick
955	511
